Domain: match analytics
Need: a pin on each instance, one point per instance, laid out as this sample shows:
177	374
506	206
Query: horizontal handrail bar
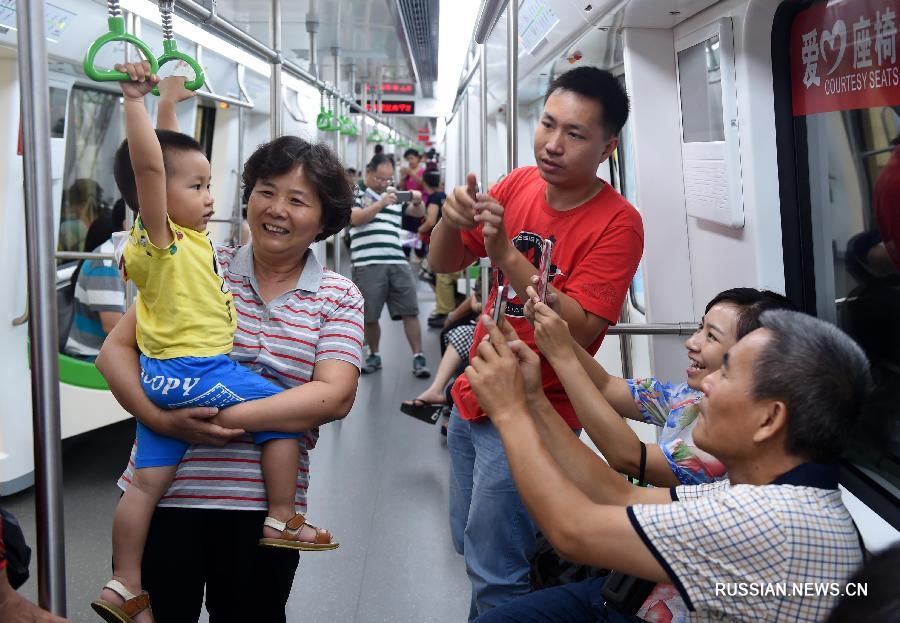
661	328
78	255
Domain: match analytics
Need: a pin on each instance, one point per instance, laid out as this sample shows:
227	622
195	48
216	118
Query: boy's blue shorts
195	382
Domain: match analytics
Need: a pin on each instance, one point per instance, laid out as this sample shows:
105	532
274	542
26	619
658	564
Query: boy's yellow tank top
184	306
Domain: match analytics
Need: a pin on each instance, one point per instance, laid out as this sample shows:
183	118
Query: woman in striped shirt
298	325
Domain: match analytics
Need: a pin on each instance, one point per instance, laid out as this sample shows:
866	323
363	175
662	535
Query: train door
839	167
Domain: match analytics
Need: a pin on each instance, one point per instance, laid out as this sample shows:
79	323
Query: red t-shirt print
597	247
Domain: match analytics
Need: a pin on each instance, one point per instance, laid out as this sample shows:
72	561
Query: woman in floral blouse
674	407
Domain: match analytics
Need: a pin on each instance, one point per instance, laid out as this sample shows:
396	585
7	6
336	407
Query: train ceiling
397	39
589	33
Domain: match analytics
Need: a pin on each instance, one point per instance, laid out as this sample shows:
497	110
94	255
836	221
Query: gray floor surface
378	480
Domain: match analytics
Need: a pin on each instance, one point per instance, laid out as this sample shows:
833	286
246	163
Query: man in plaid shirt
774	542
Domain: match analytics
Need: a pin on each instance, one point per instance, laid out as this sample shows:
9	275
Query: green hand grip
323	120
171	53
116	33
347	128
334	123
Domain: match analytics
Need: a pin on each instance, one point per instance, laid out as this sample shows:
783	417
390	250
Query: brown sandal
123	613
290	535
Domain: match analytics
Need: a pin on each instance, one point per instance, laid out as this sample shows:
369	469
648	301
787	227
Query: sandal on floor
428	412
122	613
290	535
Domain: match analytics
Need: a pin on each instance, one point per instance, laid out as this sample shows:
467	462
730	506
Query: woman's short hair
750	304
320	166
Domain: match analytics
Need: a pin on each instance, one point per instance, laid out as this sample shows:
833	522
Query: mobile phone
542	286
403	195
500	304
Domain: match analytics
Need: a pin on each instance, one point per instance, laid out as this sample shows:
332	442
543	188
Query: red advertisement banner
844	56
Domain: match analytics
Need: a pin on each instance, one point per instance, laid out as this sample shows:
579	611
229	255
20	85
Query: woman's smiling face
284	212
706	347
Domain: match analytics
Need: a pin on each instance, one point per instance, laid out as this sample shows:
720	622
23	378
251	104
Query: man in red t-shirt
598	241
885	258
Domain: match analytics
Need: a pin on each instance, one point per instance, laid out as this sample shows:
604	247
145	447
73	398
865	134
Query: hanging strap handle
171	51
116	33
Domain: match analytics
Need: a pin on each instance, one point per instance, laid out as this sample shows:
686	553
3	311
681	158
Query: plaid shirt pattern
746	534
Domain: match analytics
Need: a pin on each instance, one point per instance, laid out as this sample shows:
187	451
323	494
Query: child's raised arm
145	152
171	91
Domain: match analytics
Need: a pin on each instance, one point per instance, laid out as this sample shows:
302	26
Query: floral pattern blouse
675	408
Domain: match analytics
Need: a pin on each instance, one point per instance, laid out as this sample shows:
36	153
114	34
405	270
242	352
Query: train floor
379	481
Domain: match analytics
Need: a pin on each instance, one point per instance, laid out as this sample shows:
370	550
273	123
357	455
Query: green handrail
172	53
116	33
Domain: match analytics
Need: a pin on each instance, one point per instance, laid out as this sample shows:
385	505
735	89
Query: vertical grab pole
483	129
350	111
483	132
625	345
35	102
512	75
363	123
338	104
134	25
237	224
338	145
465	126
275	104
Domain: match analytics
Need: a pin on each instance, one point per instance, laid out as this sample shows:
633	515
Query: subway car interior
761	150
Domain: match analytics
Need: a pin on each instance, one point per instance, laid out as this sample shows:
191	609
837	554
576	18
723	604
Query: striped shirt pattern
750	534
320	319
99	288
378	241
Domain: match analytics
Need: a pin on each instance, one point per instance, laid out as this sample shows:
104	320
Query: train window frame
797	228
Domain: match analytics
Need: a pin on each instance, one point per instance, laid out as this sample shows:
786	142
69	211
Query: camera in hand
403	195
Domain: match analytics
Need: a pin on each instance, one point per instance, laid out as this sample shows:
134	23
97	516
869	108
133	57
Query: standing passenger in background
411	176
82	204
98	290
444	283
598	242
380	269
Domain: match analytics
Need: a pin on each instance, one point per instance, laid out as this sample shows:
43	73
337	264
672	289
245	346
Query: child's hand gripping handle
116	33
172	53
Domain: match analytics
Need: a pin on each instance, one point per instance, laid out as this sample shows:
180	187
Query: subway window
94	132
845	125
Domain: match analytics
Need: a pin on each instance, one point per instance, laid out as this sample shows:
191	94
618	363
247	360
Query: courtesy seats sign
844	56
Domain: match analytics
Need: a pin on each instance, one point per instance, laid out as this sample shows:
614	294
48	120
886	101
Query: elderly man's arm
580	529
593	477
594	529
